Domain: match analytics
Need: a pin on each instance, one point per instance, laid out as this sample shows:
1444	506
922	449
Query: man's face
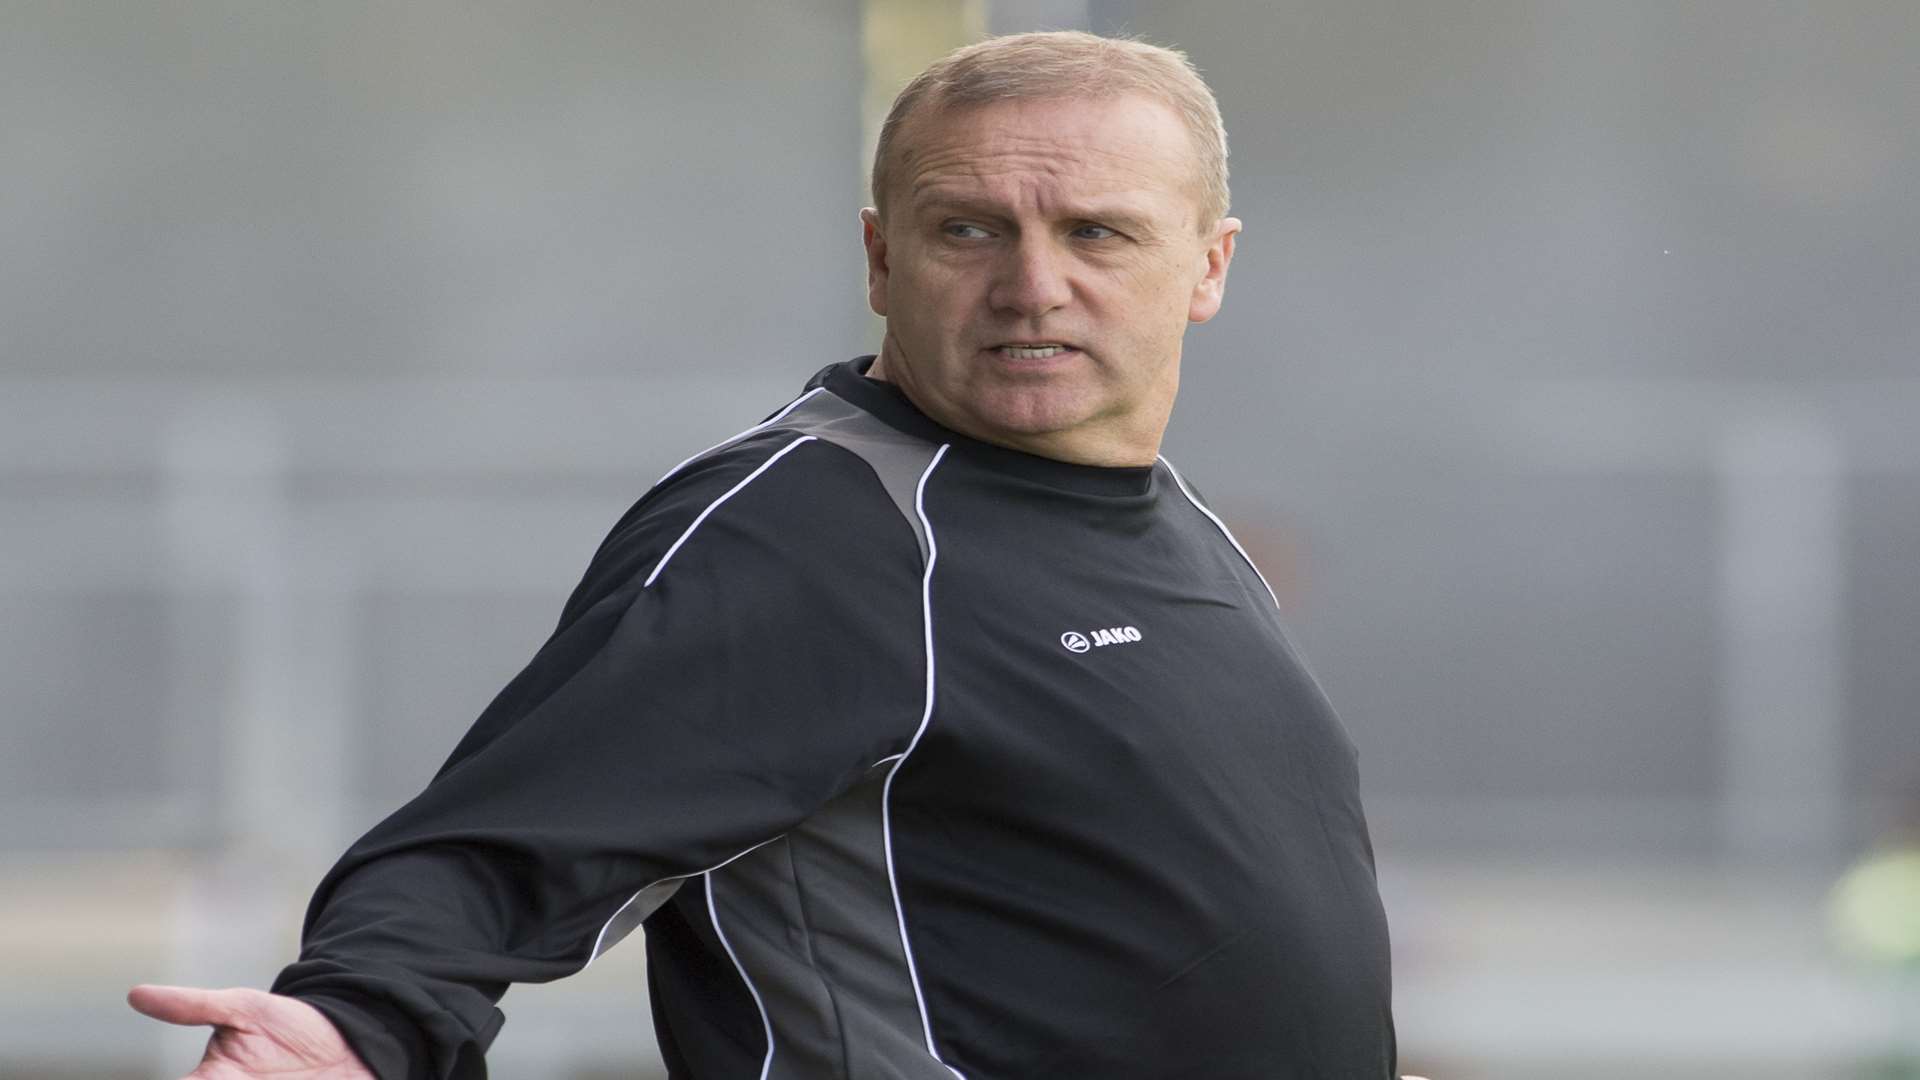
1037	268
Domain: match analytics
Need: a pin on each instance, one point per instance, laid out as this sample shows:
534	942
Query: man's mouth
1032	350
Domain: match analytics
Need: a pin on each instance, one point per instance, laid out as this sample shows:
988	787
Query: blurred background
1566	388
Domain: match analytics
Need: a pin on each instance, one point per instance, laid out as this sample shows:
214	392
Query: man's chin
1032	417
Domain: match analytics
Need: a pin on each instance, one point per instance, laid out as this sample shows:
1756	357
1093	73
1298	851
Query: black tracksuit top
917	758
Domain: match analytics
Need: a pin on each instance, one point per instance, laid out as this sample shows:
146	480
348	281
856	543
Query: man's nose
1032	279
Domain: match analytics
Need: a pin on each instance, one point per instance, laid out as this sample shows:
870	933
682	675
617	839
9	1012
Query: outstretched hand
256	1035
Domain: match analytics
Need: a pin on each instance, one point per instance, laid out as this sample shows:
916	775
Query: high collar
849	382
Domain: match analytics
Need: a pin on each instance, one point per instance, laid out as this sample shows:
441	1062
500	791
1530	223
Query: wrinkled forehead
1105	149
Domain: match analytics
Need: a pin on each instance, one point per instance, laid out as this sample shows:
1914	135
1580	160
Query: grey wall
1464	223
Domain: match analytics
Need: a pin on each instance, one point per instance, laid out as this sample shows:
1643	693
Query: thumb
186	1004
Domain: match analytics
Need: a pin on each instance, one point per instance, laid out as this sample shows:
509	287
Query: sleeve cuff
386	1039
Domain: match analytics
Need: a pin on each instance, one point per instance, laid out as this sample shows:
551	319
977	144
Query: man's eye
963	231
1094	232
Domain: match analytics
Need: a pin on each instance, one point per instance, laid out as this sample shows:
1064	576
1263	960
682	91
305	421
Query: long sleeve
744	645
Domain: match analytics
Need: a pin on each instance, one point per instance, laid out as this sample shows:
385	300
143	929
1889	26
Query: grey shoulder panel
896	457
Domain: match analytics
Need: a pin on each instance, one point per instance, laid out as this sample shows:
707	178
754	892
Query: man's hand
256	1035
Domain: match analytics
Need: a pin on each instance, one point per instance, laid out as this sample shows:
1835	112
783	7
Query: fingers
186	1004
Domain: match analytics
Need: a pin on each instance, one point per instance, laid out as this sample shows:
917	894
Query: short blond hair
1066	64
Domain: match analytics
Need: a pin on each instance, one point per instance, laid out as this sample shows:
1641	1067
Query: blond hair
1066	64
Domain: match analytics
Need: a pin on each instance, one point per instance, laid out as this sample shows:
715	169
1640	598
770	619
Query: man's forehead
1114	154
1129	125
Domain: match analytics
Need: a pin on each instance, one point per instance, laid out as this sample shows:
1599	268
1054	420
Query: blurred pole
899	38
226	518
1782	477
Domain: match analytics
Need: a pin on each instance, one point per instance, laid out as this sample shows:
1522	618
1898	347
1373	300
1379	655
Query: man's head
1049	190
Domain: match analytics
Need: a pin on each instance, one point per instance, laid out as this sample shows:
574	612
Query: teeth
1032	352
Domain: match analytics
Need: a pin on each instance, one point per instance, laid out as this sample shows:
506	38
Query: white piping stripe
750	477
608	925
767	423
1222	526
926	716
714	913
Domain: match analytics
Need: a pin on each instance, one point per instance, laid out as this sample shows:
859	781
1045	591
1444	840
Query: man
933	727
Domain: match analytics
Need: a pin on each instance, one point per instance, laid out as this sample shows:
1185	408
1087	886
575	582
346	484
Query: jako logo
1118	635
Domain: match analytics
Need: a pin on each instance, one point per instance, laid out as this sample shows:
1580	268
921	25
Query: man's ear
1212	286
876	243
